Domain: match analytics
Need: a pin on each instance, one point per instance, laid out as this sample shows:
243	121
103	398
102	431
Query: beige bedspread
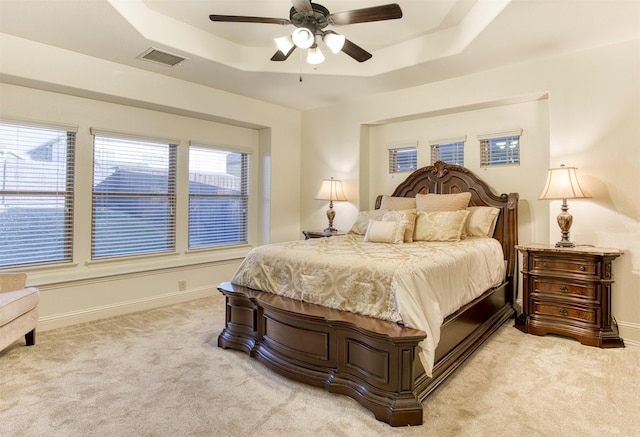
417	284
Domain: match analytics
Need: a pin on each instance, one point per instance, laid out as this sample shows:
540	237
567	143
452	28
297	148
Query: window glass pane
134	186
36	194
403	159
218	197
500	151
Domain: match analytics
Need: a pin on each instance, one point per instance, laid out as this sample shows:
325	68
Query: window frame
395	164
491	140
457	142
170	194
23	194
243	196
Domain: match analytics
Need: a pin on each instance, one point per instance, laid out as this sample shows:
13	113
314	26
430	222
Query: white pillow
385	232
440	226
481	221
362	221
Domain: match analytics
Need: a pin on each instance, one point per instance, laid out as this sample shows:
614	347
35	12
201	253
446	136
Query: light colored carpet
160	373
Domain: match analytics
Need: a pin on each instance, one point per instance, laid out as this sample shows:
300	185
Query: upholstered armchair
18	309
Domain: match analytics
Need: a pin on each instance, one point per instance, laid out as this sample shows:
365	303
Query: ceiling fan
310	20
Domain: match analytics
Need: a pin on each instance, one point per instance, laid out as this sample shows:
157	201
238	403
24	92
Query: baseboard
87	315
630	333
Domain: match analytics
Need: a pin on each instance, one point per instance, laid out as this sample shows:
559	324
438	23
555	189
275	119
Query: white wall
593	111
38	84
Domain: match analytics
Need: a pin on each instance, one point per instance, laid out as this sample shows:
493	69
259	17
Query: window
36	194
403	159
500	148
450	150
134	196
218	197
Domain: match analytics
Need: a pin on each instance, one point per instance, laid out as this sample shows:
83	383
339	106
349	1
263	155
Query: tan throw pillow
442	202
440	226
362	221
481	221
408	215
385	232
397	203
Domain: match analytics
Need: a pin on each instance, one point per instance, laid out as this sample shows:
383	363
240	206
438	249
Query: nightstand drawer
559	310
565	265
548	286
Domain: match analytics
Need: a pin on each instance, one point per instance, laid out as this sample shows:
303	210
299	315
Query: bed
380	363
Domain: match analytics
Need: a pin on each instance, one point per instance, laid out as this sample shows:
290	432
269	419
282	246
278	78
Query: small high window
449	150
502	148
403	159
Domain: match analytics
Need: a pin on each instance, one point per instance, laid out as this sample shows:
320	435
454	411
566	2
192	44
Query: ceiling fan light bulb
334	41
284	43
315	56
303	38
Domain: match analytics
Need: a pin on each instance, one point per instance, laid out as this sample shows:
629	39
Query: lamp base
564	221
330	230
565	243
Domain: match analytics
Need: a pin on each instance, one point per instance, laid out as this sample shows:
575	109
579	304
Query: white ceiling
434	40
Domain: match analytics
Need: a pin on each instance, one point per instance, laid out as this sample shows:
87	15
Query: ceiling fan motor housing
315	21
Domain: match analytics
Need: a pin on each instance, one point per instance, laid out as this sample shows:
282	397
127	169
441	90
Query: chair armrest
12	281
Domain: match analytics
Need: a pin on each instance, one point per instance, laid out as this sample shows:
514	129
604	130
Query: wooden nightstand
567	291
320	234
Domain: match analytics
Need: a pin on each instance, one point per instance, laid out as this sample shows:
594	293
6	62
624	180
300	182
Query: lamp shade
334	41
315	56
303	37
564	183
284	43
331	189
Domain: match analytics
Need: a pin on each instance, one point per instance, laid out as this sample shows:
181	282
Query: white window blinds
500	148
36	193
218	197
134	196
403	159
450	150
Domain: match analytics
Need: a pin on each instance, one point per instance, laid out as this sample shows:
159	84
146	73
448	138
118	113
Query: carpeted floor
160	373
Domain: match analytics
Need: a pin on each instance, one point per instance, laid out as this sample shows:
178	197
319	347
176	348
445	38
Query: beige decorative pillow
440	226
397	203
408	215
385	232
362	221
481	221
442	202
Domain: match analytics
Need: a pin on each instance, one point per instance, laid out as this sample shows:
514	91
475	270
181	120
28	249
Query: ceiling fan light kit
310	19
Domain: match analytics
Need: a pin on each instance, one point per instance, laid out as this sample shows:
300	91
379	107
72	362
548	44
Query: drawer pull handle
583	268
564	288
563	311
545	265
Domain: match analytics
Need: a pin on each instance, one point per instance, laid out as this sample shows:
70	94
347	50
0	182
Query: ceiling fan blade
243	19
279	56
376	13
302	6
355	51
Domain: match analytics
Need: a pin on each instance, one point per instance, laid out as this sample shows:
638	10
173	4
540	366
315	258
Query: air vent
161	57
